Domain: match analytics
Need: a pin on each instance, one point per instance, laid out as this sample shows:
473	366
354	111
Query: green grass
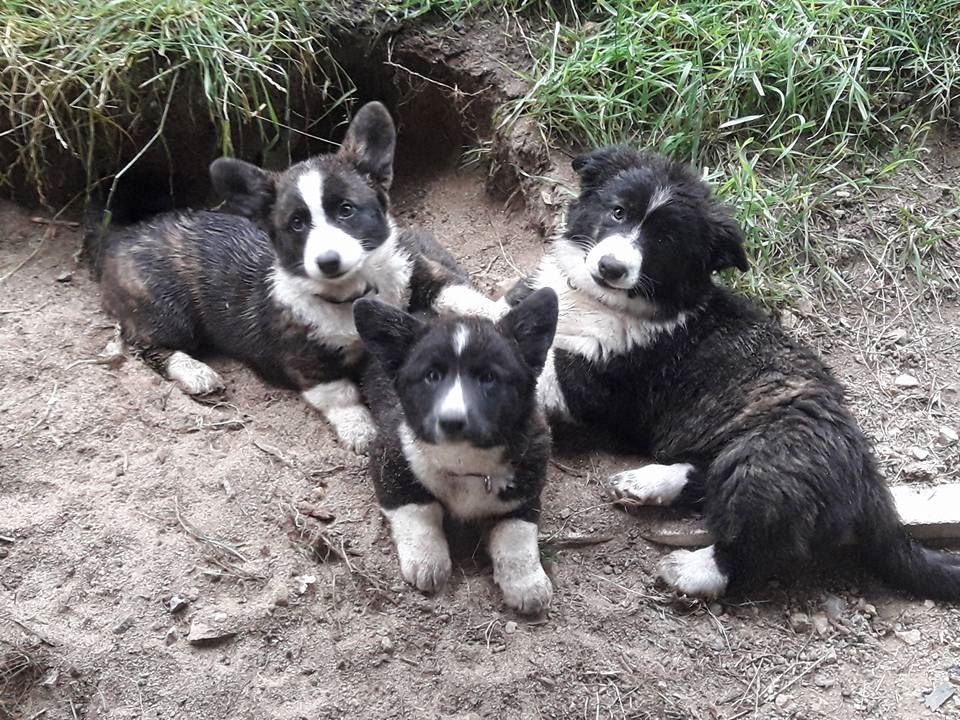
787	101
84	75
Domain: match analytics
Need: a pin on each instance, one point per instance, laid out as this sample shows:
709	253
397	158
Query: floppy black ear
370	144
532	323
387	331
248	190
726	241
598	166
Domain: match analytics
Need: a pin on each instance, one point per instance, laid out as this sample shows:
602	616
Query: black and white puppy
739	418
460	434
271	281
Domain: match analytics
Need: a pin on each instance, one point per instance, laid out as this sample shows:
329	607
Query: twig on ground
43	239
53	221
200	536
275	452
574	541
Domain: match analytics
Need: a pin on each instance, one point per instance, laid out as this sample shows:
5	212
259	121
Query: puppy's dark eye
345	210
486	377
296	224
432	376
618	213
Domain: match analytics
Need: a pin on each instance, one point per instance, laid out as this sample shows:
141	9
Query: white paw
421	545
427	568
693	573
354	426
650	484
193	376
516	566
529	593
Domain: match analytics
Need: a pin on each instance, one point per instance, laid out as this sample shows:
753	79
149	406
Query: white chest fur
589	327
467	480
387	268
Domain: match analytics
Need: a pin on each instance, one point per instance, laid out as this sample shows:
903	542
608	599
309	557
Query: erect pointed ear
248	190
598	166
532	323
387	331
370	144
726	241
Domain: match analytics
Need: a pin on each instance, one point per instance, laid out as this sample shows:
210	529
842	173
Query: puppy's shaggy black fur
460	436
739	417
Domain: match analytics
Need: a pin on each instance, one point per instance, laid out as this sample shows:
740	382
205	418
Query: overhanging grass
786	97
83	74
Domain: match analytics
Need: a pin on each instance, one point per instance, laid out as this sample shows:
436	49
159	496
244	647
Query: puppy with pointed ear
459	433
247	190
370	144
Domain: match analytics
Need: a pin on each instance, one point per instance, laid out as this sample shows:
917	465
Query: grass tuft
85	77
787	101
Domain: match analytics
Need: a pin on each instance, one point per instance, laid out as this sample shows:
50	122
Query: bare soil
119	493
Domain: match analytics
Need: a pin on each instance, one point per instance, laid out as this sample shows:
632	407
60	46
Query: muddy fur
685	371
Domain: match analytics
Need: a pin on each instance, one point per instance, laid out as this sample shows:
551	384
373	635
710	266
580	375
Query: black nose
610	268
329	263
453	425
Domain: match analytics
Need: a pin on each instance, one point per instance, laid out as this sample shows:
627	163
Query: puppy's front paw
355	427
428	568
650	484
529	593
421	545
693	573
192	376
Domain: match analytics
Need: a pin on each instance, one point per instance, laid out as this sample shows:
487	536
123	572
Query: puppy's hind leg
339	402
192	376
762	513
656	484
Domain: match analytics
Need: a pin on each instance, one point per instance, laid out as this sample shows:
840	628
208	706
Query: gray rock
124	625
800	622
906	380
946	436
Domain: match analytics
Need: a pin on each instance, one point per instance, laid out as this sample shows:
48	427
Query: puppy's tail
900	561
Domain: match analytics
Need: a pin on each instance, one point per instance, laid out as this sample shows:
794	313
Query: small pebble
821	623
281	596
65	277
386	645
833	606
124	625
919	453
171	637
510	627
800	622
906	380
946	436
910	637
177	603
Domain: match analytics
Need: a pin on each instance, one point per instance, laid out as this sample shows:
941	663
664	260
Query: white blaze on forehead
622	248
661	196
461	336
322	237
454	404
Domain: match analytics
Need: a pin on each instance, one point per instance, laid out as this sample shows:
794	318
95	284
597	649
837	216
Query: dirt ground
121	498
